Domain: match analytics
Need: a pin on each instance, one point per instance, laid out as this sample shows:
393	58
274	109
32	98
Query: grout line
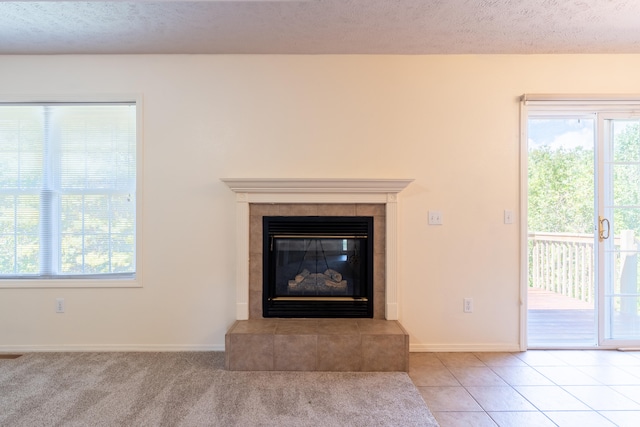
604	363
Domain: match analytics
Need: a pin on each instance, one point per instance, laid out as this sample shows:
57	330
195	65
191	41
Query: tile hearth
368	345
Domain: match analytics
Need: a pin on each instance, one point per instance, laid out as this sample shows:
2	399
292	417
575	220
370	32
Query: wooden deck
539	299
555	320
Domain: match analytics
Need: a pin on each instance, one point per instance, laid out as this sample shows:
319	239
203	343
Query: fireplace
318	266
273	194
372	344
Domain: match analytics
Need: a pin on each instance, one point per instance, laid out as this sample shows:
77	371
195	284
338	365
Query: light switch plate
435	218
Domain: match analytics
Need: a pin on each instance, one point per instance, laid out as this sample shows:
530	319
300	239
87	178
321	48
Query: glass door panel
619	229
562	242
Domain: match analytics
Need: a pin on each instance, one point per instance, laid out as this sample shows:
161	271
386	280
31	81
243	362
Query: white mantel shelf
313	185
316	190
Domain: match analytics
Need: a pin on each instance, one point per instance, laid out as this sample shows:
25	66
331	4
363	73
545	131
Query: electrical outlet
59	305
468	305
435	218
508	216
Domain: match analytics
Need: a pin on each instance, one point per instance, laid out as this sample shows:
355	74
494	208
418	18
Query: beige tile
622	358
379	236
603	398
379	327
378	305
448	399
255	273
227	346
540	358
233	326
406	352
249	352
582	357
338	327
295	352
464	419
633	370
521	419
551	398
567	375
255	305
500	359
500	399
264	209
384	353
379	295
255	235
257	326
517	405
417	360
370	209
378	273
614	357
476	376
610	375
339	353
521	375
338	209
630	391
425	376
298	209
460	359
296	327
623	418
579	419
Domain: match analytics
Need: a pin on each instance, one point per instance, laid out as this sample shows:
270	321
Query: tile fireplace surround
256	343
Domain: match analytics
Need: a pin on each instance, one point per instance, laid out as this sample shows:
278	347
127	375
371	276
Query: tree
561	185
561	190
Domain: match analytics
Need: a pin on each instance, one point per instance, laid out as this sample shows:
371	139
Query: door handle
603	233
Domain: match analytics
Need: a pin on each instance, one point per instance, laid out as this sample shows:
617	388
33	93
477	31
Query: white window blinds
67	190
602	103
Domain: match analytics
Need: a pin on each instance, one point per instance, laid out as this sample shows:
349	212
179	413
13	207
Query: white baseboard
107	348
469	348
414	348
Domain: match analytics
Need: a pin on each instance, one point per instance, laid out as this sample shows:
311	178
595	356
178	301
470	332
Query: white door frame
621	105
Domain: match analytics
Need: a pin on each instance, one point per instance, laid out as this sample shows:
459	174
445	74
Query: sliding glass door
583	228
619	230
561	240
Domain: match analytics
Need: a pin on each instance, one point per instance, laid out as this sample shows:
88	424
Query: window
68	190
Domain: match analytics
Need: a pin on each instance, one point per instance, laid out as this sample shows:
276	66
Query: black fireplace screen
318	267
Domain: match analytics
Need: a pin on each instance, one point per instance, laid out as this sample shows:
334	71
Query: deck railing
562	263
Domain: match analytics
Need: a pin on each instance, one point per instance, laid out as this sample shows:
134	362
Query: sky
561	133
569	133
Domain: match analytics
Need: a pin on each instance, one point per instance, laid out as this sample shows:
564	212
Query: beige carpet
194	389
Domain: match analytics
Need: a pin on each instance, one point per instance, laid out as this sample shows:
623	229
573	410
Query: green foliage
626	177
561	190
561	197
561	185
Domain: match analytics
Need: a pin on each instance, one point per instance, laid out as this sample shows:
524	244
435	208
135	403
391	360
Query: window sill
70	283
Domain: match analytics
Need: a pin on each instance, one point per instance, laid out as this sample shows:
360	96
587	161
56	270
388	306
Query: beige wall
449	122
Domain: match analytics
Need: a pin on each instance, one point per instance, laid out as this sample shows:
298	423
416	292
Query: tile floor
369	345
572	388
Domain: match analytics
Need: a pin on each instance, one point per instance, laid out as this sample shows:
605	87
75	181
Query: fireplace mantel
311	190
311	185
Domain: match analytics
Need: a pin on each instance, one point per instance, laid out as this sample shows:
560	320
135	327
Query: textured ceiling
321	26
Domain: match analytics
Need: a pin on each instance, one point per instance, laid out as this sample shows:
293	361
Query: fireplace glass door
318	267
